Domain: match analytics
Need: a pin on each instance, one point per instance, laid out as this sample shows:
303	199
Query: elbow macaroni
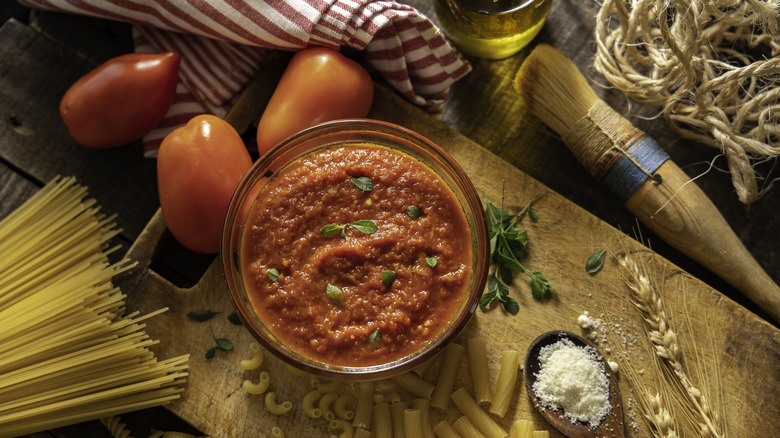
256	360
324	405
329	386
260	387
347	430
308	404
340	406
274	407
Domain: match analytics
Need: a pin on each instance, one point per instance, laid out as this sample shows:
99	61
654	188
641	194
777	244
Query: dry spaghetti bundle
68	352
713	68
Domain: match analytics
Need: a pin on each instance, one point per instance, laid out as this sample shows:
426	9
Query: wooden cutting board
730	354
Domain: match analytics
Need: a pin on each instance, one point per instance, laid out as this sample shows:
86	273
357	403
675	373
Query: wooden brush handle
674	208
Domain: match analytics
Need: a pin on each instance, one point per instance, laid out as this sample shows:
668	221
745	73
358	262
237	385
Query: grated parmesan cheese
573	379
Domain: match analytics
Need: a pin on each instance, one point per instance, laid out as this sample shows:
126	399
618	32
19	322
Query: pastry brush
637	170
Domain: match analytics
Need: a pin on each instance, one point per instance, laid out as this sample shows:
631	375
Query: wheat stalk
664	340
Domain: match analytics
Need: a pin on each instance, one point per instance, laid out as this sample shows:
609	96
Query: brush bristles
553	88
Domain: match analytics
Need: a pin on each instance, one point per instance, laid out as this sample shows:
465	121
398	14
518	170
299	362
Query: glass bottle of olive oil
491	29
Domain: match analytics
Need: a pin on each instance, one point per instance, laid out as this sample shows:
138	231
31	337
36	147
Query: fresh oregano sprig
507	250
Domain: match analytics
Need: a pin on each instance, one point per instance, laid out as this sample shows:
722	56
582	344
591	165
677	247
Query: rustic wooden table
42	53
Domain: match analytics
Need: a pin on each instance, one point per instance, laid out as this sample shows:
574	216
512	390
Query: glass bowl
330	135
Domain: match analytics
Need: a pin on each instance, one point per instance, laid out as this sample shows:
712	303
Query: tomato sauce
364	322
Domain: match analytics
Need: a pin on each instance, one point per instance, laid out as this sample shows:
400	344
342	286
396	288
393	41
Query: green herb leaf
217	344
595	262
331	230
488	297
273	274
335	295
233	318
540	288
363	183
507	250
413	211
201	315
432	261
375	336
364	226
510	305
223	344
388	277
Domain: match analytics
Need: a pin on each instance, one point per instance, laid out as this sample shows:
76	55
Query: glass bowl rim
469	200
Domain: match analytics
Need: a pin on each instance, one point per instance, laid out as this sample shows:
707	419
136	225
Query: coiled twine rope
713	68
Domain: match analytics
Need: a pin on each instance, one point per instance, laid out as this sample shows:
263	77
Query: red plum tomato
199	166
121	100
319	84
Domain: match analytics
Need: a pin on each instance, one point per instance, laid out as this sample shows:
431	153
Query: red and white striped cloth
223	43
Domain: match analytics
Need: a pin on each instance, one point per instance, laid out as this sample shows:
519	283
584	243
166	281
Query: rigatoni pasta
466	428
412	423
383	422
480	376
505	386
440	397
481	420
424	405
415	384
522	429
364	404
397	413
444	430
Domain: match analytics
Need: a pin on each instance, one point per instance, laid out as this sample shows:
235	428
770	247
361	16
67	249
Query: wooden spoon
610	426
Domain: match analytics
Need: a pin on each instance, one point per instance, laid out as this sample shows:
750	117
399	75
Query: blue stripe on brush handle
624	177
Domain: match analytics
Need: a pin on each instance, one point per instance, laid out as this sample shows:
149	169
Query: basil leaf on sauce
335	295
331	230
388	277
595	262
413	211
364	226
201	315
273	274
432	261
363	183
375	336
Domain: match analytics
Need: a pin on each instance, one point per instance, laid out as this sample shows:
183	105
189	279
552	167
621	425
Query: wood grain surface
711	327
488	130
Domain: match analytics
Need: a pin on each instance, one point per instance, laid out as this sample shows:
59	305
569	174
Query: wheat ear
648	300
